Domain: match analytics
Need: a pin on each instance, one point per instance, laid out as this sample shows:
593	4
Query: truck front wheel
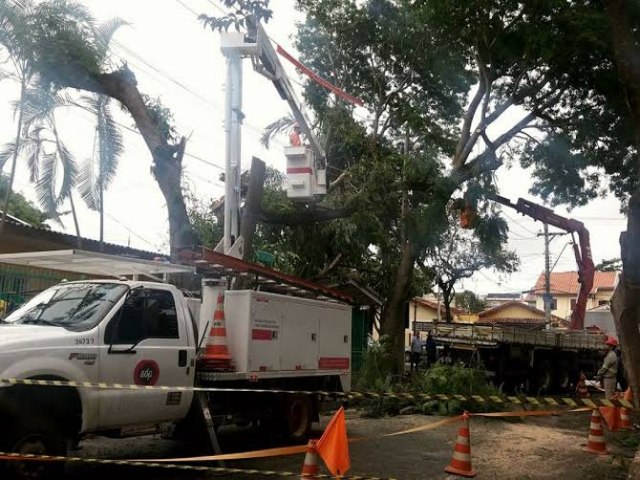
298	412
36	437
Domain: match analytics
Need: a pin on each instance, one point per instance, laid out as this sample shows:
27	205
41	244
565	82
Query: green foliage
377	367
453	380
470	302
612	265
22	208
239	16
161	116
203	221
65	45
461	253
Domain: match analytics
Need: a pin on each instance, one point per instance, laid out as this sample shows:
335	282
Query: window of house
554	304
602	302
573	304
146	313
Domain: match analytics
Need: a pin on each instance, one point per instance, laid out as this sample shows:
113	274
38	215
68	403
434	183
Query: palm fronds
97	173
275	128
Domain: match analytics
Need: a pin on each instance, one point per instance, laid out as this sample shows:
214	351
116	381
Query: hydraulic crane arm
267	63
581	250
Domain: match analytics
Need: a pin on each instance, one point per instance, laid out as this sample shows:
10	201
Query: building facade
565	288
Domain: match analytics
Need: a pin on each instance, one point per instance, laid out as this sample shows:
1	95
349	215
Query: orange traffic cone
216	353
581	389
461	459
310	468
625	413
596	443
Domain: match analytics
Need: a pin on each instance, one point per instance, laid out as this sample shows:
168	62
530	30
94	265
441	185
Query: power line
518	223
188	8
132	232
137	132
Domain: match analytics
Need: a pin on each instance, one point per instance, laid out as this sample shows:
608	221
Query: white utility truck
143	333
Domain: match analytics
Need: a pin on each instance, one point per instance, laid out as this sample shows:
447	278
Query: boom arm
582	251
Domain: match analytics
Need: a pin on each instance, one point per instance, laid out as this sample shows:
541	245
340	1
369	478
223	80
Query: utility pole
548	298
547	279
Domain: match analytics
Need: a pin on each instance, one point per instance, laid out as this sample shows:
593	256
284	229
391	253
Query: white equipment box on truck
274	335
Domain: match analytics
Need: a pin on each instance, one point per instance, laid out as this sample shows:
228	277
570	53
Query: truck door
146	343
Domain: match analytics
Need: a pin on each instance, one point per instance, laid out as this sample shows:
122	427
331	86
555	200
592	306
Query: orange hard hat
611	341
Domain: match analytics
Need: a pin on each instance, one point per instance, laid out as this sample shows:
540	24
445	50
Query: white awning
91	263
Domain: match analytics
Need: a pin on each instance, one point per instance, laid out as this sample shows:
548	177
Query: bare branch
509	134
458	161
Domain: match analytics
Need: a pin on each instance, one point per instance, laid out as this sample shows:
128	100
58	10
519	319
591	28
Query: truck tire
36	437
298	415
545	377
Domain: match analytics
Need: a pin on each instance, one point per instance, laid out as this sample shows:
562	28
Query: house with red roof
517	314
565	288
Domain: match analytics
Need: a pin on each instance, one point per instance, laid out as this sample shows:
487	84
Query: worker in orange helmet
609	369
294	136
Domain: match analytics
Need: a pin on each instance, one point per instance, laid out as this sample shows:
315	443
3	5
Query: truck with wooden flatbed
533	361
127	332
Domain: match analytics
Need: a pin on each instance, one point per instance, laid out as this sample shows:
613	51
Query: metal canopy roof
218	264
92	263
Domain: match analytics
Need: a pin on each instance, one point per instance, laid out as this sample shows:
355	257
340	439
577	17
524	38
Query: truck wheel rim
30	445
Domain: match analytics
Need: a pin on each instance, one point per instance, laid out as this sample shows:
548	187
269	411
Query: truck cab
111	332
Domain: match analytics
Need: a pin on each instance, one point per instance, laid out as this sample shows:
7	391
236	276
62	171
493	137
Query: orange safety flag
333	446
611	417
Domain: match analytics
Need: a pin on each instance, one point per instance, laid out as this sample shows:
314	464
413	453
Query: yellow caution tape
354	395
171	466
178	463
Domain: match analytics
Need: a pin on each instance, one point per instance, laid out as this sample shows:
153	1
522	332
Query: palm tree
98	172
51	164
16	41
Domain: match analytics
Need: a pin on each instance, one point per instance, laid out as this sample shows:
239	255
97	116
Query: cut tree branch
304	217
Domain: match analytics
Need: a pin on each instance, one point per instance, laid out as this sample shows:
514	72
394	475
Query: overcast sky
176	59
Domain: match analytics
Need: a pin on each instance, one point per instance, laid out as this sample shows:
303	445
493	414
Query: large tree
22	208
459	254
414	64
69	52
596	145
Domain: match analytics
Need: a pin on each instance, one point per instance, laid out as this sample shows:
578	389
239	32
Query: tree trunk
393	313
101	200
252	206
74	215
14	160
626	302
625	308
168	174
250	215
447	297
167	156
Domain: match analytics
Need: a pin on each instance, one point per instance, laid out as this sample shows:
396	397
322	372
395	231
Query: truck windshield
75	306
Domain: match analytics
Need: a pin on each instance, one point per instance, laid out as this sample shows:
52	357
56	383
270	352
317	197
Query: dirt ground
537	447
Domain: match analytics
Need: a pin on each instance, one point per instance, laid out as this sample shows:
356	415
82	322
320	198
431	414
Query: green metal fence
19	284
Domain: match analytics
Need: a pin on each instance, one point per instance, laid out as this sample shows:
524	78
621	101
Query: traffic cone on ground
581	389
625	413
461	459
310	468
216	353
596	443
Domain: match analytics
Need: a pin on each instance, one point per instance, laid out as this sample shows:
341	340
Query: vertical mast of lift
233	145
